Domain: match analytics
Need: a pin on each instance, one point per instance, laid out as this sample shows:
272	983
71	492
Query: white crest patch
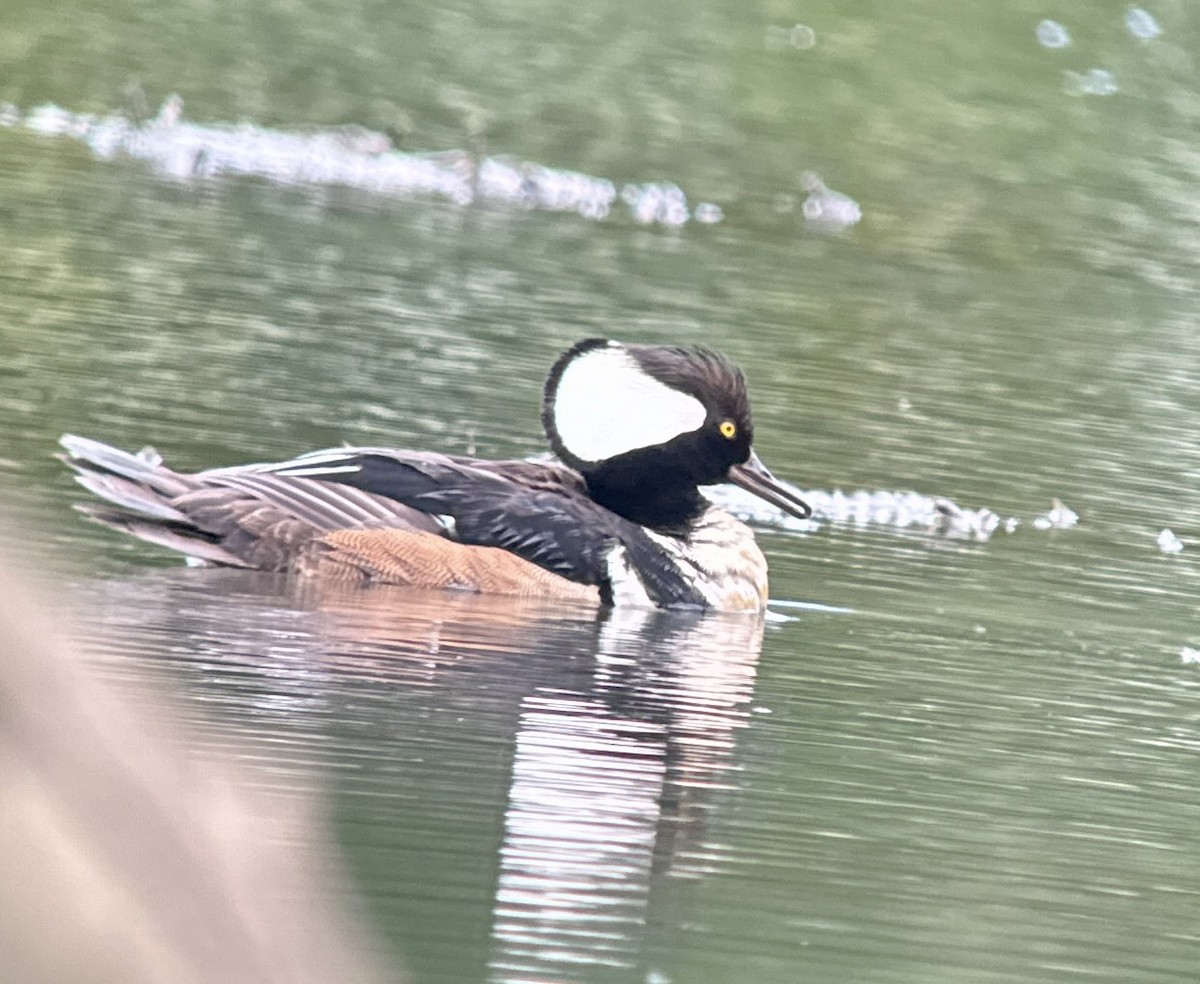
606	405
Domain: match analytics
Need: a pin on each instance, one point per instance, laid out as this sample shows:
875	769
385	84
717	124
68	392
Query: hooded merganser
618	519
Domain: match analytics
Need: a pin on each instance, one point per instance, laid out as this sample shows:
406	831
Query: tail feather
138	490
183	537
234	516
129	495
145	467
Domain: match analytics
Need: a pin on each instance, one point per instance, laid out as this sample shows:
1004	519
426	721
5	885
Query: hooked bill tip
753	477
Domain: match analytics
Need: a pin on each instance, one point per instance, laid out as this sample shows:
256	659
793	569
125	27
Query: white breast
723	561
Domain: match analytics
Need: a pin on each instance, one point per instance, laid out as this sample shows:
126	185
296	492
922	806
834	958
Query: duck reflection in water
620	733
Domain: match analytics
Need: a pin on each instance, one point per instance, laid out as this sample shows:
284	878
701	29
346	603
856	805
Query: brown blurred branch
126	858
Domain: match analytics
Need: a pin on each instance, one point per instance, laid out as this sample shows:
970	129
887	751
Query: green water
983	771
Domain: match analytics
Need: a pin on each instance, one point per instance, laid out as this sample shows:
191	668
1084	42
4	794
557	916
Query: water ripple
1141	24
1051	34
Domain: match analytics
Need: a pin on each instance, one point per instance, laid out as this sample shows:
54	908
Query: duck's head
647	424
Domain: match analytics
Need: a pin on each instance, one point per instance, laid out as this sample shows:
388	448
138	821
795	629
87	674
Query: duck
613	516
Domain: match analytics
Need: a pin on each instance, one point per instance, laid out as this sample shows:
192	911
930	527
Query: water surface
963	758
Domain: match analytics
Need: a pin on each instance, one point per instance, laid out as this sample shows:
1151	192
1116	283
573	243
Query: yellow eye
728	429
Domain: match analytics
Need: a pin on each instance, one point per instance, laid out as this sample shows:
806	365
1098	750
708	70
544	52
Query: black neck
664	503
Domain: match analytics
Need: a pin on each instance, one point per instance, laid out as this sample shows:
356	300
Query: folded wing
400	516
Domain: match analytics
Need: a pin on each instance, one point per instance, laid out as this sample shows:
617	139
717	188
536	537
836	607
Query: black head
647	424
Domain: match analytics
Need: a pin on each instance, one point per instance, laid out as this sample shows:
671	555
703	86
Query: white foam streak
351	156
